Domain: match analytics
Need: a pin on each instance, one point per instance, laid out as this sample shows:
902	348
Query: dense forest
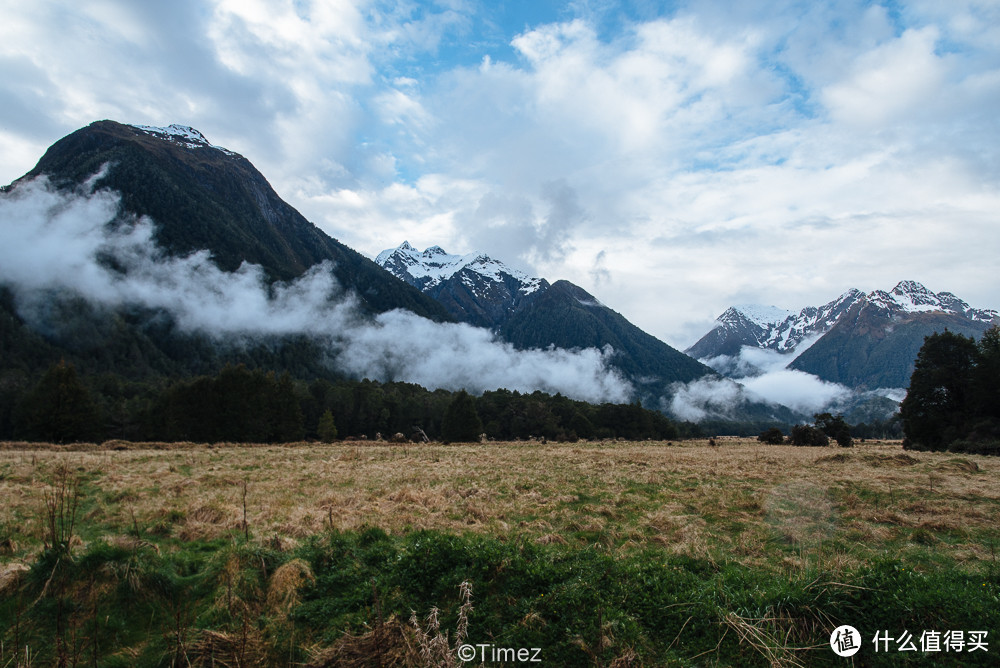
251	405
954	398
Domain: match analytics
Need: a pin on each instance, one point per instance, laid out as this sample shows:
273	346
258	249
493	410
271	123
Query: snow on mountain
181	134
763	315
431	267
764	327
912	297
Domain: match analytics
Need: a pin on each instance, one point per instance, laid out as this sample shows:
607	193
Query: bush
772	436
844	439
803	434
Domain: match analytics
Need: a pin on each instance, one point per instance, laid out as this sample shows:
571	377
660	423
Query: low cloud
763	377
708	397
800	391
77	243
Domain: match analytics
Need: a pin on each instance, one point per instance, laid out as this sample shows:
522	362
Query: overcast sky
673	158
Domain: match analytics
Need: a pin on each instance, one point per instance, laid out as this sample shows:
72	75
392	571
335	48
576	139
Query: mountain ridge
531	312
203	197
863	340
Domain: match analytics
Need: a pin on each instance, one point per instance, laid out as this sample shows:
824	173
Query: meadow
595	553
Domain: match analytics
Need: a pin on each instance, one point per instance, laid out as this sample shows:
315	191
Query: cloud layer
75	243
673	161
760	376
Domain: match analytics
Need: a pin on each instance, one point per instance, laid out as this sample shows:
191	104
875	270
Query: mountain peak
433	251
184	135
763	315
913	297
483	290
910	287
908	307
435	265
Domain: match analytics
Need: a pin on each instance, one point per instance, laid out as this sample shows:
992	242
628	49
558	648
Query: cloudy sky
672	158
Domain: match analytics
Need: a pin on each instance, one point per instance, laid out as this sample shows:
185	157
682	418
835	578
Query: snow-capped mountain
861	340
530	312
474	288
912	297
433	266
770	327
183	135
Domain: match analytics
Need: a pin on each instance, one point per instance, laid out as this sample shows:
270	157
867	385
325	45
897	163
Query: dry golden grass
781	506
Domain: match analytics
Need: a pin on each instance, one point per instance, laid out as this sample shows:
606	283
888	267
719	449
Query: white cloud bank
761	376
62	243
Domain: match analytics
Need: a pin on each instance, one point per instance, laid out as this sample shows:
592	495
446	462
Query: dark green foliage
245	404
237	405
891	428
59	408
952	402
772	436
803	434
461	423
835	427
326	428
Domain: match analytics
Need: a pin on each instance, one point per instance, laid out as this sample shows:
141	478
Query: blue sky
672	158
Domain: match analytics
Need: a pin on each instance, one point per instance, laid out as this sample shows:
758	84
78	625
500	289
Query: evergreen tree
936	408
986	384
461	422
59	408
835	427
285	410
327	428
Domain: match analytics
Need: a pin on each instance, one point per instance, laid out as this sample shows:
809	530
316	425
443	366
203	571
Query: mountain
861	340
769	327
473	288
200	201
875	342
532	313
204	197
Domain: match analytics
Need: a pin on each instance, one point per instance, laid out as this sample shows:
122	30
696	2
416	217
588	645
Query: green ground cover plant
602	554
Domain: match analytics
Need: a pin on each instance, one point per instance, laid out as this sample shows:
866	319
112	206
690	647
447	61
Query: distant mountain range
203	200
864	341
532	313
204	203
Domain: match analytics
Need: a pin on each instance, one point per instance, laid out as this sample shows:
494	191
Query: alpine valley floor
600	553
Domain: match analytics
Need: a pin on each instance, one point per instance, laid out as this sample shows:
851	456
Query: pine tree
327	428
59	408
461	423
936	408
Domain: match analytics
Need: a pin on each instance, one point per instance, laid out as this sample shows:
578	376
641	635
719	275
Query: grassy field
649	553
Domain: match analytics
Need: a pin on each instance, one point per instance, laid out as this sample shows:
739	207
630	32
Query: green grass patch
223	601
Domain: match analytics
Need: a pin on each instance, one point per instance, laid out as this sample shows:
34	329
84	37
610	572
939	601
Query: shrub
803	434
772	436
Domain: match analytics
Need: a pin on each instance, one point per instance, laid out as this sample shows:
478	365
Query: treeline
953	402
239	404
